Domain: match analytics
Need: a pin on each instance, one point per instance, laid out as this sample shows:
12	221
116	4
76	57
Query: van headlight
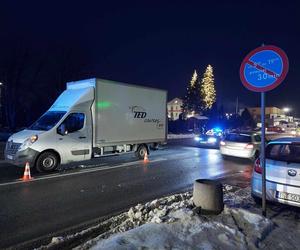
28	142
33	138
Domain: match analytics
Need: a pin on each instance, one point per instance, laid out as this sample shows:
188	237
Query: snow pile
173	222
180	136
157	211
188	232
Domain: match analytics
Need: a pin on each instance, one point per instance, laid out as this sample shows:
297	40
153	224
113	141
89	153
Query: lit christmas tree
192	100
194	79
208	92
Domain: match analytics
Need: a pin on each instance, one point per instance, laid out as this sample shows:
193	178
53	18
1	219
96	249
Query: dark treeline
217	118
33	77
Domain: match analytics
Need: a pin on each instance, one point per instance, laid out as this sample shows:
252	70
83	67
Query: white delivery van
92	118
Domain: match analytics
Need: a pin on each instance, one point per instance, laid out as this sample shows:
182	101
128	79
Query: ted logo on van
138	112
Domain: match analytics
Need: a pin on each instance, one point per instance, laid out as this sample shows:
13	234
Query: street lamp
286	110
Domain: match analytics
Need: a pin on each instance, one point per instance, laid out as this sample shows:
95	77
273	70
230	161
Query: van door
74	137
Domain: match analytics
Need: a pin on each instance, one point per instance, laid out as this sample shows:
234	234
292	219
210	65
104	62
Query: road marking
102	168
132	163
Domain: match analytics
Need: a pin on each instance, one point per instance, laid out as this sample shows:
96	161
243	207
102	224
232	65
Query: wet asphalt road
81	193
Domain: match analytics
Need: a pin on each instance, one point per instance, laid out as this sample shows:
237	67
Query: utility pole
237	106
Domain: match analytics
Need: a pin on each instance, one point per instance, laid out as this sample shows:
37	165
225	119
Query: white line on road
81	172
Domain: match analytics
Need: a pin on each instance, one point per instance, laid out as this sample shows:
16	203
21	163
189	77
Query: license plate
10	157
288	196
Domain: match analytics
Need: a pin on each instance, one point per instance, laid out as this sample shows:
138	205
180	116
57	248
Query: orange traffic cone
26	176
146	160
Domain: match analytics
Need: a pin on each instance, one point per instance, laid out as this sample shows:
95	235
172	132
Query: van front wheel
47	162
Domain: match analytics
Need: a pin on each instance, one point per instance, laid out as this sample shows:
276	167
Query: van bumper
21	157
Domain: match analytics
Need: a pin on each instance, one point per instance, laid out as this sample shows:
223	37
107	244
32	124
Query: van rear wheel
140	152
47	162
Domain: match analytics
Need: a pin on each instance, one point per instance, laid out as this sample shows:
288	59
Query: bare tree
12	70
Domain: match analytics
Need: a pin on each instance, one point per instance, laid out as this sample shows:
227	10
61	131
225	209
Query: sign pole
262	70
262	154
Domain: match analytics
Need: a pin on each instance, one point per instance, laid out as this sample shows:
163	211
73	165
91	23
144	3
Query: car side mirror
61	130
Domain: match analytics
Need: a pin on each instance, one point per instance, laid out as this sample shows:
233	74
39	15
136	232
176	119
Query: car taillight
222	143
249	146
257	167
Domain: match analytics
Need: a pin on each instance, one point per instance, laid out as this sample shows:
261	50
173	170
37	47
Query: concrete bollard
208	195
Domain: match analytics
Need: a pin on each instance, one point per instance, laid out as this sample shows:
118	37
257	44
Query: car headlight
212	140
28	142
198	138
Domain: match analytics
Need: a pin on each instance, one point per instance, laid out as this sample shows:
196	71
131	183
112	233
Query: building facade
174	109
274	116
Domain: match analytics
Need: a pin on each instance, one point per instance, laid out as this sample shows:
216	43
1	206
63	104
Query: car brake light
222	143
249	146
257	167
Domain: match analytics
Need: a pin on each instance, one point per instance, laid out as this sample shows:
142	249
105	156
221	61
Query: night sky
160	43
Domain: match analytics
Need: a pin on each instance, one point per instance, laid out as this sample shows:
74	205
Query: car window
238	138
74	122
273	151
284	152
294	153
257	138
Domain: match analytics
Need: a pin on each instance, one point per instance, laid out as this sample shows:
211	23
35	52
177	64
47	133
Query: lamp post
287	110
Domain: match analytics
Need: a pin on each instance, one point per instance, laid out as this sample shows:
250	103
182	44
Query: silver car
243	145
282	172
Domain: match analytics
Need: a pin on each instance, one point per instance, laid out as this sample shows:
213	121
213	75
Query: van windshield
47	121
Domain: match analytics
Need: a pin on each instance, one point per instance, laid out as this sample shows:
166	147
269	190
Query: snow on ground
180	136
174	223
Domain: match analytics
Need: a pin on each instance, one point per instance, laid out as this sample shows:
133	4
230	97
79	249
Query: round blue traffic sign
264	68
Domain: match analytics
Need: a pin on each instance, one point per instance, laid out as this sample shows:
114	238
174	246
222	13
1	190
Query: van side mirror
61	130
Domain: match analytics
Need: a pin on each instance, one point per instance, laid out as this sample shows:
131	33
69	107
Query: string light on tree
192	99
194	78
208	92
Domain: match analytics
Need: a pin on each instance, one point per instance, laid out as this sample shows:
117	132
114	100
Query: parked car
282	172
243	145
276	129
